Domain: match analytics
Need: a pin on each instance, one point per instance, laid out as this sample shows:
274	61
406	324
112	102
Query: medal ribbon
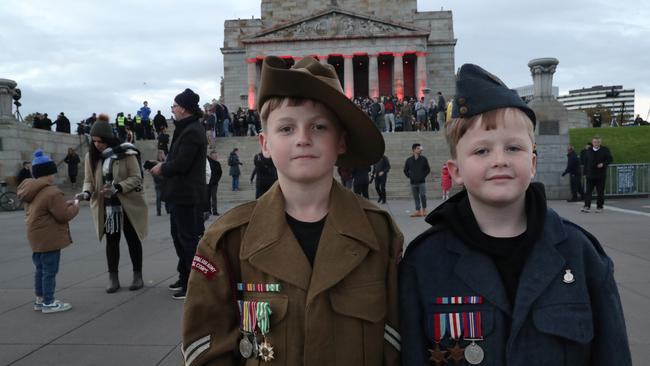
439	326
263	315
248	318
472	326
455	325
259	287
459	300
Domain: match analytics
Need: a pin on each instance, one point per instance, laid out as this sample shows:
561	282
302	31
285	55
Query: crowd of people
390	114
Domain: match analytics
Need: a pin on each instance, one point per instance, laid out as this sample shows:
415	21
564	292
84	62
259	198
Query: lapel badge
568	277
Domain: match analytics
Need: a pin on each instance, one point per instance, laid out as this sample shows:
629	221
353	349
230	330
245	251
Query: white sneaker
584	209
56	307
599	210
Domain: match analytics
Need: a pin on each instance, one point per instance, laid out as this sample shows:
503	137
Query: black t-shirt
307	234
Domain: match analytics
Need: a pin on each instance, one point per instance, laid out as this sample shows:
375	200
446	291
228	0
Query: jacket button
462	110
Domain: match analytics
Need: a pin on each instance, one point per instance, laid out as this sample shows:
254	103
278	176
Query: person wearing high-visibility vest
120	122
139	128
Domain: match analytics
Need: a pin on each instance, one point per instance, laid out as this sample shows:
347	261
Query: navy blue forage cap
478	91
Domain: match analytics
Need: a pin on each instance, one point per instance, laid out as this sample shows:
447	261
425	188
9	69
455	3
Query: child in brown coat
46	215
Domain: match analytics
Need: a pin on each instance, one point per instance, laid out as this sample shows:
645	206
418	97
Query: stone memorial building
378	47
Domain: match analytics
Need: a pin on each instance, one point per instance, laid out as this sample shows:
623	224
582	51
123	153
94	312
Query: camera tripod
18	116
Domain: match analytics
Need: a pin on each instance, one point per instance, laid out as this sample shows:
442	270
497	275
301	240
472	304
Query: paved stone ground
142	327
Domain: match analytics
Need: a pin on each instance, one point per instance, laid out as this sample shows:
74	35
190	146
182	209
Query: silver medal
246	347
474	354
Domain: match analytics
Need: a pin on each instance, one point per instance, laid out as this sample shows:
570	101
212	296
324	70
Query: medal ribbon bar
259	287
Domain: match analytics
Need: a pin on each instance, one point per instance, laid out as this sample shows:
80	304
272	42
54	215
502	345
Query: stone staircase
398	149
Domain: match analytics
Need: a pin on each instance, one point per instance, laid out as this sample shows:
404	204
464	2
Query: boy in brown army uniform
305	275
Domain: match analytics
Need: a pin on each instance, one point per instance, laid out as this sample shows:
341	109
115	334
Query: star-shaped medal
266	352
437	355
456	353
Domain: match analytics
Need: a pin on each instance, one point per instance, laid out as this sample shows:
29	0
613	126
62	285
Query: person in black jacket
73	160
416	169
62	123
575	174
379	174
596	161
159	122
183	186
24	173
215	176
264	173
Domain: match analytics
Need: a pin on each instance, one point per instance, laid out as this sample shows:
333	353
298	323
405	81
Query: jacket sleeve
407	168
392	337
610	345
89	175
210	314
133	178
414	346
608	158
59	208
184	156
218	172
387	168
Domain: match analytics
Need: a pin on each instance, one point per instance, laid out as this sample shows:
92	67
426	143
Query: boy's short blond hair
456	128
274	103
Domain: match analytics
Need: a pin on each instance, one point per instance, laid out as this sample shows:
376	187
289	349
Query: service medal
247	325
266	351
438	356
474	354
246	347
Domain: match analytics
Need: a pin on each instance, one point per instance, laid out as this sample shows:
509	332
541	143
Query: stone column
398	75
373	77
542	70
6	99
421	74
348	77
252	76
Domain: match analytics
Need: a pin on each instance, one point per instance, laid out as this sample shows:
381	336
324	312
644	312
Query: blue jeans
226	127
235	182
419	192
47	266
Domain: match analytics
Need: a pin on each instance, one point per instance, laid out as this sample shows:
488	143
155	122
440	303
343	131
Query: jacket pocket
567	331
277	336
358	323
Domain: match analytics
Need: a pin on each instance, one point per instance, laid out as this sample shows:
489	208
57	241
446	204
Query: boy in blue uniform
499	278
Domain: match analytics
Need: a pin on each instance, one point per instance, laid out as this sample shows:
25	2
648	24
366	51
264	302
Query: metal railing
627	180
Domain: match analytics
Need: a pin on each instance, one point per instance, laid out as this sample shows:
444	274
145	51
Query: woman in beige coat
113	184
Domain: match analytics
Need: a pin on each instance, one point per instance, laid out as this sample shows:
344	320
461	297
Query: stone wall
551	162
578	119
18	143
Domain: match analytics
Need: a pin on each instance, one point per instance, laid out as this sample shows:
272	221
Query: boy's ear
454	171
342	146
264	144
534	166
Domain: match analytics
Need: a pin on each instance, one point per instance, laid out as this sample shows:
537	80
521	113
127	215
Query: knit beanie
42	165
188	100
101	128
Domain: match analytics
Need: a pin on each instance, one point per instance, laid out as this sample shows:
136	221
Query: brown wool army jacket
343	312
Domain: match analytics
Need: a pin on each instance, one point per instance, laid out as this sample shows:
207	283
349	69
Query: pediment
333	24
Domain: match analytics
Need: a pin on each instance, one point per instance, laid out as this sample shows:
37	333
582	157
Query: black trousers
361	189
212	197
380	187
132	241
186	232
576	186
599	184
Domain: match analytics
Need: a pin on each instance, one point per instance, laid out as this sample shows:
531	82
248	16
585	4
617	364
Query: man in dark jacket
215	177
264	173
24	173
360	181
62	123
573	169
184	184
159	122
416	169
596	161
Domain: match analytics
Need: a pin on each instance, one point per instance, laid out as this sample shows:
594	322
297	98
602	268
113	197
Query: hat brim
365	144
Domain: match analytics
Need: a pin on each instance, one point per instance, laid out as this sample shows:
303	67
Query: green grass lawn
627	144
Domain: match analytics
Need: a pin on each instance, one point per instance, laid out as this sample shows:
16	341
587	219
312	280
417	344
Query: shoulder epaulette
420	238
590	236
232	219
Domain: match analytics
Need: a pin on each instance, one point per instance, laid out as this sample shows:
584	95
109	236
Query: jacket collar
544	263
269	243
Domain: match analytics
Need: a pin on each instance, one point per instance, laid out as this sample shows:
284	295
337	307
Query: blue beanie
42	165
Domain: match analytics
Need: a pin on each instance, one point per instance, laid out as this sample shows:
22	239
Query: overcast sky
90	56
